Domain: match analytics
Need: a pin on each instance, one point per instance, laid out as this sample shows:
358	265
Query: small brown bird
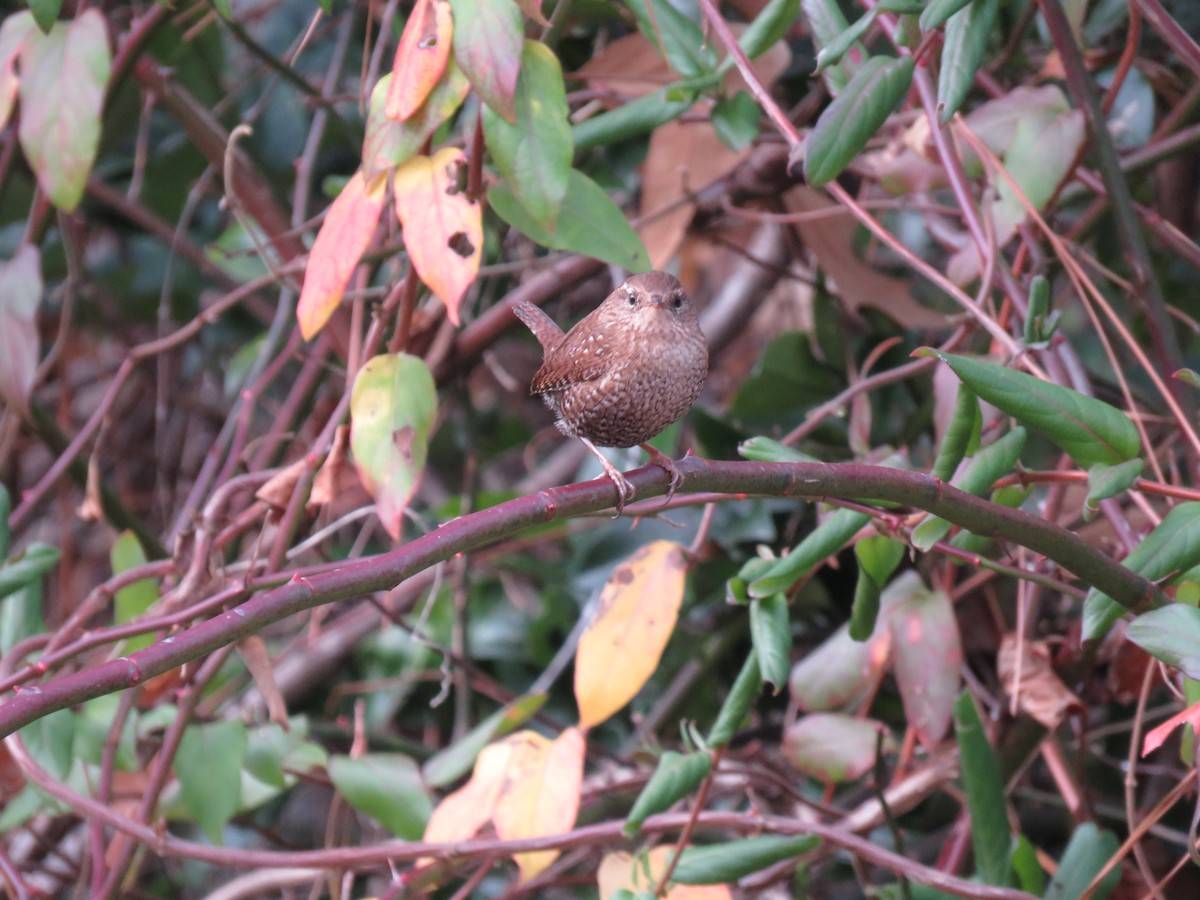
626	371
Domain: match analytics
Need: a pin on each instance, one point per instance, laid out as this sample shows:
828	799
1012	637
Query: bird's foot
660	459
625	490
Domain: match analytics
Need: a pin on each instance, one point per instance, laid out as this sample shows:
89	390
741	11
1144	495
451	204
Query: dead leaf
1039	690
622	871
830	238
684	158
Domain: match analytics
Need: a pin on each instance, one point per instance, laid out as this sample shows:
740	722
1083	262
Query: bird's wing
583	355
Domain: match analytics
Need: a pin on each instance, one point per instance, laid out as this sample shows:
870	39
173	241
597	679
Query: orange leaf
620	650
1156	736
443	227
621	871
344	236
463	813
420	57
541	793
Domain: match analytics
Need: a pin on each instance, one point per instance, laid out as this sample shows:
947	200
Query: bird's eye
678	302
632	300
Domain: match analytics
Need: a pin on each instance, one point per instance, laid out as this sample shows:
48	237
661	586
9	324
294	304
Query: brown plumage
625	372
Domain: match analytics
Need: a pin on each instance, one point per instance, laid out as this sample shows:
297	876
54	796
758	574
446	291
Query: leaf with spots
393	407
420	57
928	658
621	647
443	227
340	244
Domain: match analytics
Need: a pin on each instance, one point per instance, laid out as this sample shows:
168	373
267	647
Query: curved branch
463	535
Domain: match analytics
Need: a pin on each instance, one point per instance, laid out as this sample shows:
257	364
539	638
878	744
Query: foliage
296	578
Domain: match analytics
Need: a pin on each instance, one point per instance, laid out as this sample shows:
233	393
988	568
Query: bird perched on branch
626	371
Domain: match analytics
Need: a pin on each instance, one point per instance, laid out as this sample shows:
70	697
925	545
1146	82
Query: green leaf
989	464
393	410
21	615
534	153
45	12
1088	852
1025	863
388	788
388	142
675	777
764	449
452	762
683	44
826	22
822	542
64	75
133	599
938	11
967	35
735	120
589	222
633	118
5	509
984	788
51	742
1089	430
208	765
772	637
720	863
769	27
27	567
1108	481
1172	547
742	696
854	116
1170	634
878	558
966	422
488	42
833	52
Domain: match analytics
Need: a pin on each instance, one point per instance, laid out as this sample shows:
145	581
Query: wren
626	371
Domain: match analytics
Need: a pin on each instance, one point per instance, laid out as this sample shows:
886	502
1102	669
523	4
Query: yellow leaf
461	814
541	794
620	650
442	226
621	871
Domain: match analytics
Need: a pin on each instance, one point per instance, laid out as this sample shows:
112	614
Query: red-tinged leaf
20	293
443	227
928	661
541	793
420	57
12	37
388	143
621	647
393	407
1158	735
344	236
834	746
63	78
488	41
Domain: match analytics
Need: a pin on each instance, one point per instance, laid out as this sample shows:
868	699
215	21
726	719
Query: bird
624	372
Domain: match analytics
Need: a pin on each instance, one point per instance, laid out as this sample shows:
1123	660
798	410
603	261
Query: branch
471	532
